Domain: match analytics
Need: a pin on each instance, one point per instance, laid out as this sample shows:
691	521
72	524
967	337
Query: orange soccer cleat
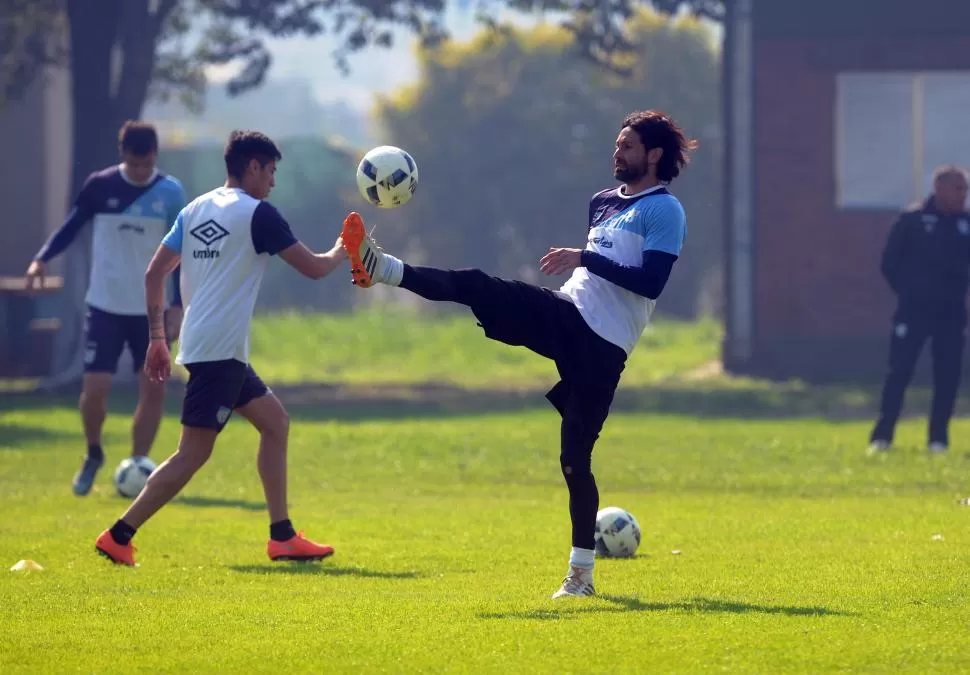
365	256
297	548
113	551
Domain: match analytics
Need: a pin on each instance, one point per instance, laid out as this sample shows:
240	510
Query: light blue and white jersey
225	238
622	228
128	221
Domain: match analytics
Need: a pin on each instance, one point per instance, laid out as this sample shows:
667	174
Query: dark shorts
106	336
215	389
521	314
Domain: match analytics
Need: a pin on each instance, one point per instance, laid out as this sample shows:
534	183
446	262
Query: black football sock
95	452
281	531
122	532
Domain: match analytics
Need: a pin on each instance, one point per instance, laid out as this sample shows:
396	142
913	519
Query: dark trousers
521	314
911	330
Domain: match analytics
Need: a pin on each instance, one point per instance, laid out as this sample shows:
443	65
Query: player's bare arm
314	265
158	361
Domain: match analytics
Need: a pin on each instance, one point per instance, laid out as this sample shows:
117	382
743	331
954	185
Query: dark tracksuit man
927	264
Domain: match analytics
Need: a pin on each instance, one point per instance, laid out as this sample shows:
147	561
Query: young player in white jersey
130	208
591	324
223	240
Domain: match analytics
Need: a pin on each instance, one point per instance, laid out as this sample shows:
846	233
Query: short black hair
138	138
658	130
244	146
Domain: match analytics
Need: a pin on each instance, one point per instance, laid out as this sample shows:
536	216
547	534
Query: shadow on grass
623	603
720	397
218	502
13	435
322	569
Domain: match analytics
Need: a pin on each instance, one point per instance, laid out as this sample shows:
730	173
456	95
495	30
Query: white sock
582	557
392	270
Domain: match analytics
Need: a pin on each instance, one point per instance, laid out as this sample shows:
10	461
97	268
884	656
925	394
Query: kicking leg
512	312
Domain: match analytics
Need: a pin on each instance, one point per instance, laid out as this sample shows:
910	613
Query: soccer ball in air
387	177
617	533
132	474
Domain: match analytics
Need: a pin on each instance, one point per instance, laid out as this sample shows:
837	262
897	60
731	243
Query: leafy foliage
186	36
513	133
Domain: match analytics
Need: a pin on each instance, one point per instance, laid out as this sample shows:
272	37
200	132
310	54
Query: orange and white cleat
366	259
115	552
297	548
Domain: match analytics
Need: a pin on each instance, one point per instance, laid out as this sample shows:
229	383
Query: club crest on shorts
222	415
901	330
963	225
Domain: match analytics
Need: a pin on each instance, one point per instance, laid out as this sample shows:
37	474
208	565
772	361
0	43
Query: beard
629	174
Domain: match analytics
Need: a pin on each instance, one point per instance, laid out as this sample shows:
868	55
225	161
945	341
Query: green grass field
796	552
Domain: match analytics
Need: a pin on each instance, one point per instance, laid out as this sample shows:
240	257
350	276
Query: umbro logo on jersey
209	232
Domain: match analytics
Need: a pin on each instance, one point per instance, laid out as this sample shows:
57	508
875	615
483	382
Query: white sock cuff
582	557
393	270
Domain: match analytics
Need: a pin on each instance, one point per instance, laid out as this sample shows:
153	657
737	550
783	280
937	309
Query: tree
513	133
120	52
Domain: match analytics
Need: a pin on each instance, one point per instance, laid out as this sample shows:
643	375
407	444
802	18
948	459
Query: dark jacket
927	260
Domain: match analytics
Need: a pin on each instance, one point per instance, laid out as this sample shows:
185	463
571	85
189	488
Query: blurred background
817	121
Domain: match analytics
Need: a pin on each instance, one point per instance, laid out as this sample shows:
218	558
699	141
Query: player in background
130	207
926	262
223	240
592	323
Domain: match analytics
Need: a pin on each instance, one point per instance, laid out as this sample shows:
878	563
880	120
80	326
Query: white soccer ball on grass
132	474
617	533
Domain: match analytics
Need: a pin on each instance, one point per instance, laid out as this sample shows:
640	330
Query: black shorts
215	389
106	335
520	314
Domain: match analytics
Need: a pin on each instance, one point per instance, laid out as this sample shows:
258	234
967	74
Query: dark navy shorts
215	389
106	335
542	320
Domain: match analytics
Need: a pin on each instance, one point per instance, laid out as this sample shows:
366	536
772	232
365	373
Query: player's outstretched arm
313	265
272	235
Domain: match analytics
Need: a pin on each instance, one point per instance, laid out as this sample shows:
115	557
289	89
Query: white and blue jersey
623	231
224	238
128	222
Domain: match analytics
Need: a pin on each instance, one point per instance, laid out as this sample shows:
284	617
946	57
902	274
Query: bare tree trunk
112	58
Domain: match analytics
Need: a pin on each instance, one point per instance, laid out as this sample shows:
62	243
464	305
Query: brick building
836	115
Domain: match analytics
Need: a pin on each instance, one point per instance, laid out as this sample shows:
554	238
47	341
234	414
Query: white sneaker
578	582
878	446
937	448
367	265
